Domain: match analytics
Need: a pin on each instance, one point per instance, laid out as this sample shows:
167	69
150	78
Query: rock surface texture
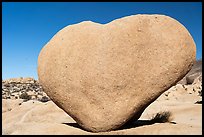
104	75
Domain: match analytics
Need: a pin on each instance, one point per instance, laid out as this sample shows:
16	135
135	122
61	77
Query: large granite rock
104	75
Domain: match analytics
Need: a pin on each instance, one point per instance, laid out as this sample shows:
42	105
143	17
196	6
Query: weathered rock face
195	72
104	75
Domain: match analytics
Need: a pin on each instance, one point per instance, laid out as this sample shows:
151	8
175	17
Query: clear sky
28	26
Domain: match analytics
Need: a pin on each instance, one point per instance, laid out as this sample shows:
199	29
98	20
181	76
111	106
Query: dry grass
162	117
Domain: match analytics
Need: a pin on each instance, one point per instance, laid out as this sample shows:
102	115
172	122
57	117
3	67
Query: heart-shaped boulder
103	75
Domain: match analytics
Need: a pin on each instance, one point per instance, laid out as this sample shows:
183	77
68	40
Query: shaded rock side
195	72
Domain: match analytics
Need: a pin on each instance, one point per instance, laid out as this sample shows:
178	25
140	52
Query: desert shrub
162	117
44	99
200	93
25	96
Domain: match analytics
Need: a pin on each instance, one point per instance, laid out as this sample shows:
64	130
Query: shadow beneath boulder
160	117
134	124
75	125
139	123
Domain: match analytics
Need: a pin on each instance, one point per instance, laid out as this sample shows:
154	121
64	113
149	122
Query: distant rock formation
195	72
23	88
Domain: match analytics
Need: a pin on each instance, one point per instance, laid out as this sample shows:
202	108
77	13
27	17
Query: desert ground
35	116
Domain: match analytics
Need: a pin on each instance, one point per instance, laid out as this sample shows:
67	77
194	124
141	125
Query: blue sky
28	26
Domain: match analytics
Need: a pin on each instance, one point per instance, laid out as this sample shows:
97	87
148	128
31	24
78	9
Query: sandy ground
34	117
